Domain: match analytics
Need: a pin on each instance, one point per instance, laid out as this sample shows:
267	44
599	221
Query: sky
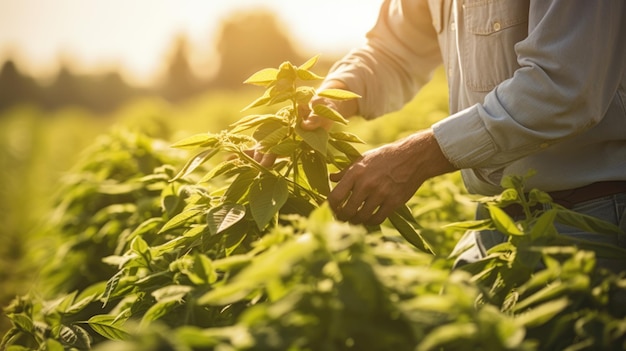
135	35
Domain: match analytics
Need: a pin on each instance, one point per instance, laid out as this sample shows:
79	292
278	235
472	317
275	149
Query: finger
314	121
351	206
311	123
267	160
258	156
364	213
249	152
384	210
339	195
336	177
304	110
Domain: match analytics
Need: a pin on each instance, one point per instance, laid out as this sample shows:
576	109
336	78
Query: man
533	85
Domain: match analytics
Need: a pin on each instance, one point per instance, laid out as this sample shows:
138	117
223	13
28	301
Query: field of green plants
153	229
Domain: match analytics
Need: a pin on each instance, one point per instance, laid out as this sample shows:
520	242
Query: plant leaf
310	63
253	121
503	222
586	223
267	195
263	77
327	112
345	136
350	151
316	171
338	94
263	100
194	163
317	139
240	186
409	233
108	326
179	220
285	148
224	216
539	315
219	170
197	140
305	74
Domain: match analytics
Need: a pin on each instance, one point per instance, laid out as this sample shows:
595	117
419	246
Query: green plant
237	256
298	182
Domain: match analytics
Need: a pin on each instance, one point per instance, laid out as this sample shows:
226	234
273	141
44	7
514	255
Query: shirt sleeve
398	59
571	66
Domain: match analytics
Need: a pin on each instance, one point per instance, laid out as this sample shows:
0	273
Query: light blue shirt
533	84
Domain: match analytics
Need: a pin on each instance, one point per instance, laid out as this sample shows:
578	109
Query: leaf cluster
234	255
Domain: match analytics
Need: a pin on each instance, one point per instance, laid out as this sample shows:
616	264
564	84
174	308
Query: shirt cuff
464	140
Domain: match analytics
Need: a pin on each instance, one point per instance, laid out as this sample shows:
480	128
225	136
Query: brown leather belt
570	198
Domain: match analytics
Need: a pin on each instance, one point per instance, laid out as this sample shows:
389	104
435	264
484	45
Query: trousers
475	244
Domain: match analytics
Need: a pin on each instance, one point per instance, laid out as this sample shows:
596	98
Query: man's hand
385	178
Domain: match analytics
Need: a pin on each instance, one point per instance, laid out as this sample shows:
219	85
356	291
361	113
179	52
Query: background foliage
126	259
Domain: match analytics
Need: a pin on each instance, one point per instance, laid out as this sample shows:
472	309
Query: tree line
246	42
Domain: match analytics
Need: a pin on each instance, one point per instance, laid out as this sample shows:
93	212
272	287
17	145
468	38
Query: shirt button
496	26
544	145
453	26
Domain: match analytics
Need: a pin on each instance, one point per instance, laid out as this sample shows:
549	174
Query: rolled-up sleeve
571	65
398	59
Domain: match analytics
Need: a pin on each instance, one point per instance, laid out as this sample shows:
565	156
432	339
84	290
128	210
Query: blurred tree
180	81
16	87
249	41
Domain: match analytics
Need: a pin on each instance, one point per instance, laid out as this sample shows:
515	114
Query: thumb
335	177
314	121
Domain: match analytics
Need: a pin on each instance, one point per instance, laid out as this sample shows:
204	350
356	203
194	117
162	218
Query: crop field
153	229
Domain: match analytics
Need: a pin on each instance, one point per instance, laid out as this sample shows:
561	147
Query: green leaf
345	136
447	333
269	128
263	100
52	345
317	139
305	74
327	112
541	314
148	226
267	195
76	336
273	138
316	171
479	224
224	216
180	219
108	326
240	185
22	322
285	148
197	140
503	222
172	292
338	94
157	311
310	63
409	233
112	284
194	163
585	222
304	94
220	169
203	272
544	226
253	121
263	77
350	151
